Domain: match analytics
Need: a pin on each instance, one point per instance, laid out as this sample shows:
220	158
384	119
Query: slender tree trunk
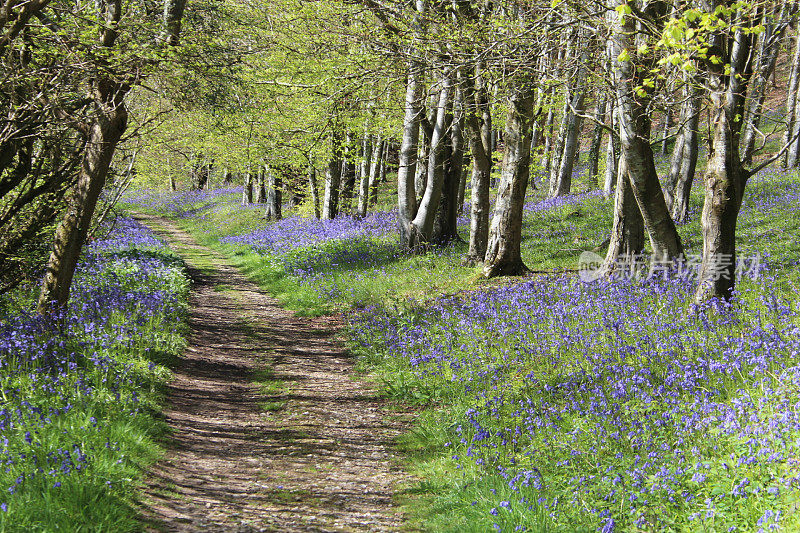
597	139
462	184
312	184
684	156
549	125
349	172
481	172
770	45
484	108
247	192
612	153
423	156
382	172
363	189
422	225
558	143
273	185
374	169
406	194
503	255
446	224
261	185
791	102
333	176
563	183
104	133
665	126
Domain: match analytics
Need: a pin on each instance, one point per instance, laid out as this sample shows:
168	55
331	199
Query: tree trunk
421	176
725	178
770	45
635	124
612	152
382	172
484	108
684	156
481	171
626	243
312	184
665	126
333	178
563	182
247	192
375	168
503	256
549	125
597	139
421	230
406	170
446	223
462	184
792	104
558	143
349	171
261	185
273	194
366	165
104	134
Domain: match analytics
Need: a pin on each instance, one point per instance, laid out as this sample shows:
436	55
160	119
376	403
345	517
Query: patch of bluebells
613	405
550	204
297	232
68	379
186	204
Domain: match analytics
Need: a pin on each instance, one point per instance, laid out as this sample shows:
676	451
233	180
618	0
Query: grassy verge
81	394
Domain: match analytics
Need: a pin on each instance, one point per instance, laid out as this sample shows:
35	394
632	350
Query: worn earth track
310	450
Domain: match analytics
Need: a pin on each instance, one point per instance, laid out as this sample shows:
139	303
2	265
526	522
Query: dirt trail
312	454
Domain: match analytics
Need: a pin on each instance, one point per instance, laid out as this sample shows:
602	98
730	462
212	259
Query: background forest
564	234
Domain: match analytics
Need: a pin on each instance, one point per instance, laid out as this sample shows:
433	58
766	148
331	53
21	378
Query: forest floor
271	431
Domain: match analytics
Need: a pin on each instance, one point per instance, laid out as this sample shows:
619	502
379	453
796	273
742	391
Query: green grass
113	412
449	495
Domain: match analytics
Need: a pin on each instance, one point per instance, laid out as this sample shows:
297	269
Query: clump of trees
316	100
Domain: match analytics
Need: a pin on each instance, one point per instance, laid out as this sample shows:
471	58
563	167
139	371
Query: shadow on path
319	459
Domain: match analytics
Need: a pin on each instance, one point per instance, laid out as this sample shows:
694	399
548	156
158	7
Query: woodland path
270	430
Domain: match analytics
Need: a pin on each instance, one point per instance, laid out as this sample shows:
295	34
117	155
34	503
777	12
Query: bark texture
725	177
683	163
505	236
636	153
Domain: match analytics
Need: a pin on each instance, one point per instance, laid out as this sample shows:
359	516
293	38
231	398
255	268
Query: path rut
312	453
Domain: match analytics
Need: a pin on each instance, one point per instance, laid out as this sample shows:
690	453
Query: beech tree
115	75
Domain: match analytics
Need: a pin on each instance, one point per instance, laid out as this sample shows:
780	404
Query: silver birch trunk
333	175
274	194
